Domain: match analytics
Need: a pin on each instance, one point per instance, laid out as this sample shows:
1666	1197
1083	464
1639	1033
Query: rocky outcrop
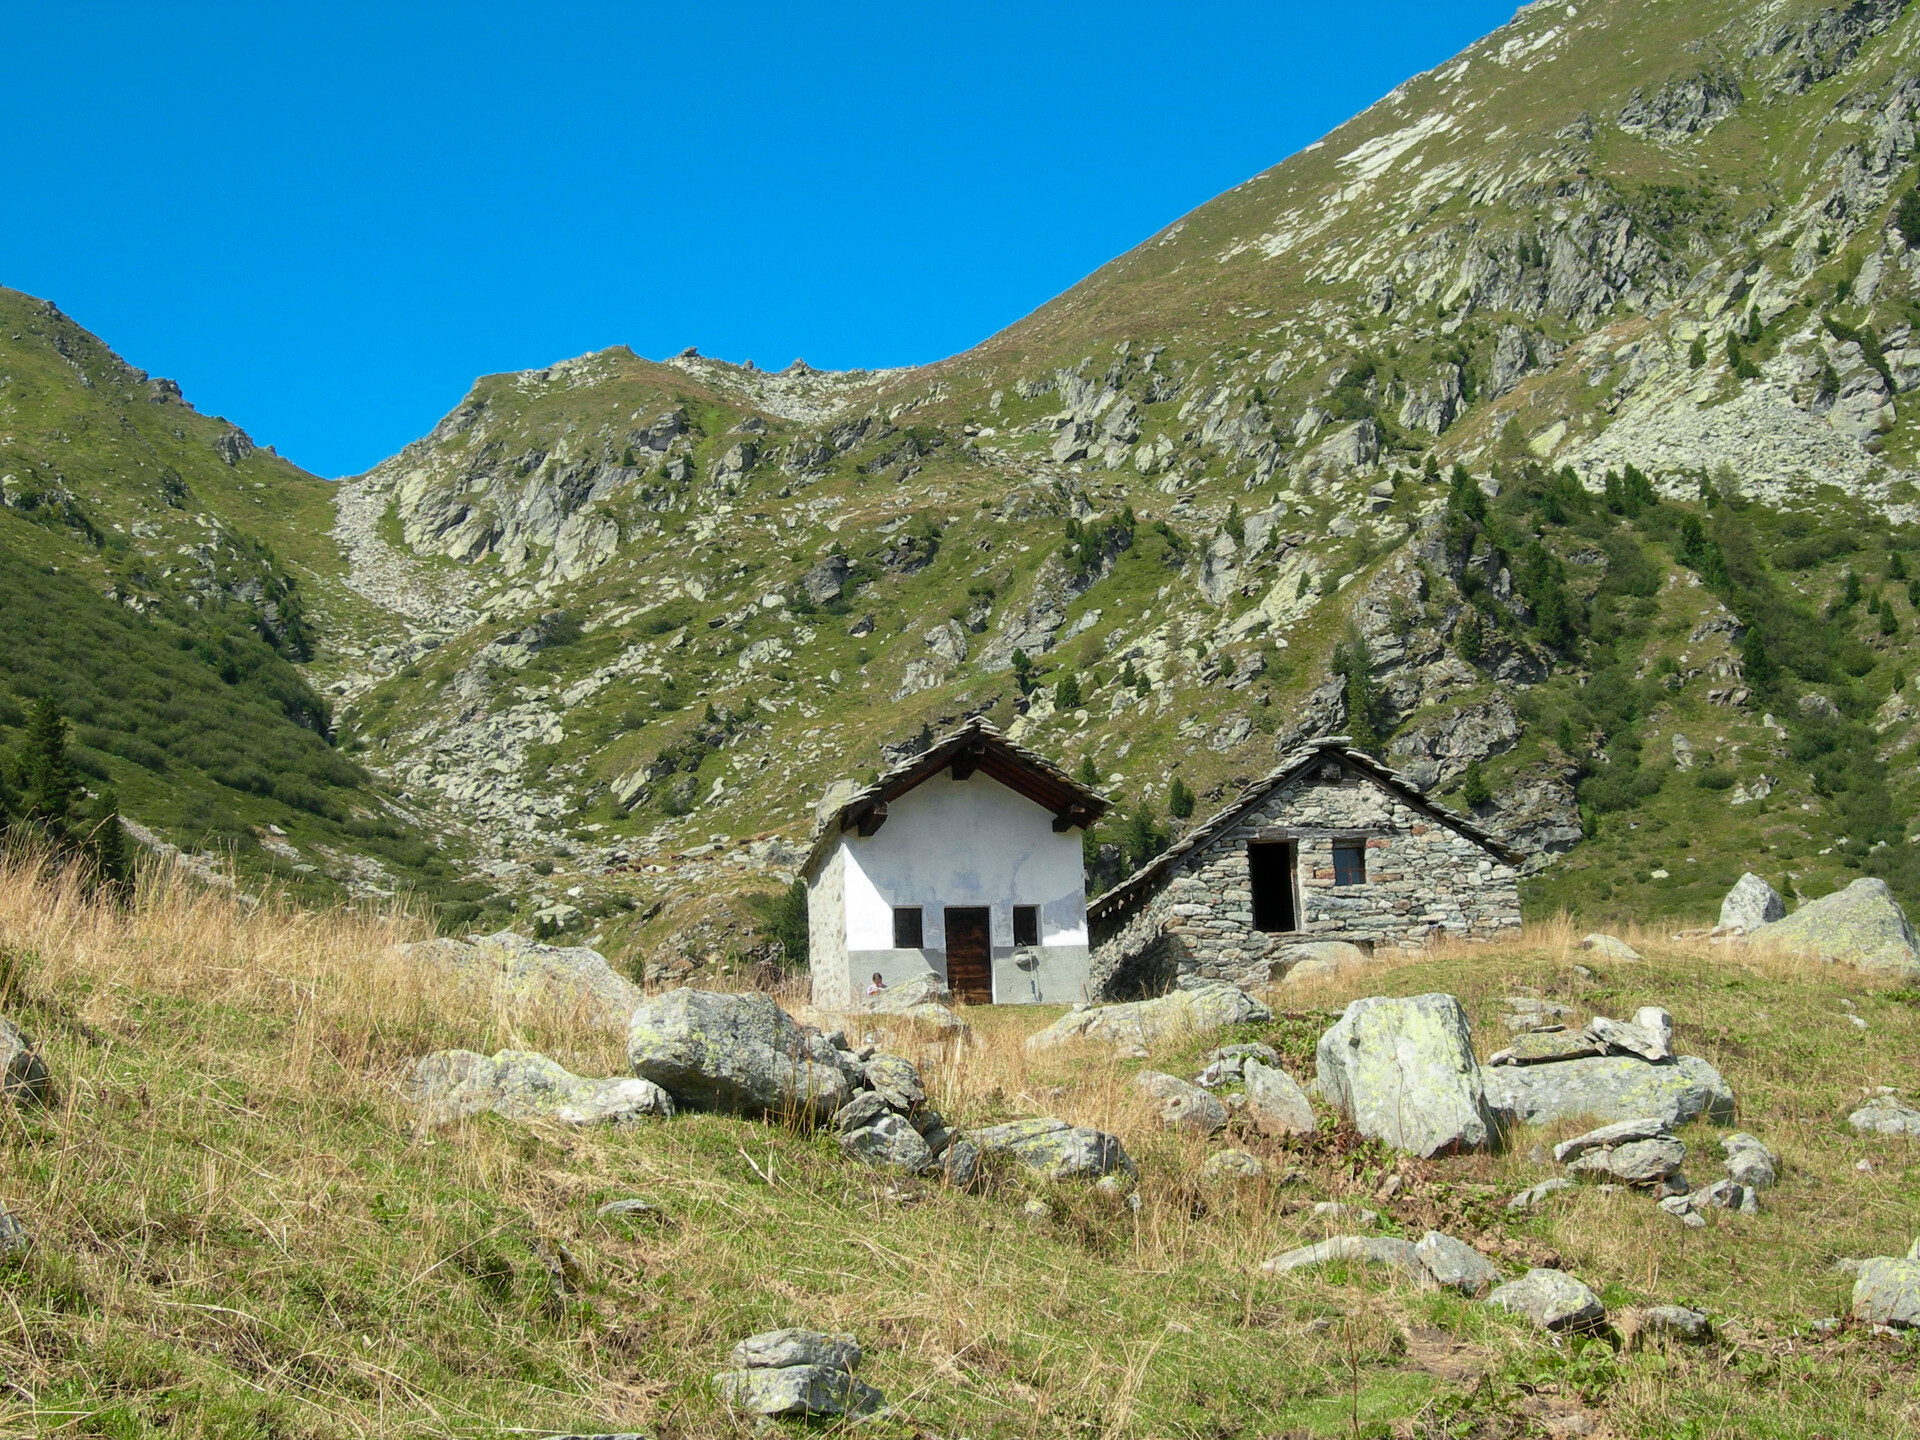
1751	904
1142	1023
1862	926
521	1085
1056	1150
741	1054
1403	1071
1608	1088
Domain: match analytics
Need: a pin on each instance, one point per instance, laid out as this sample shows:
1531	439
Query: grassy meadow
241	1232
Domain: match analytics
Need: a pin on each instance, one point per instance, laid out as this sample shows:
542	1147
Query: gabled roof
976	747
1144	880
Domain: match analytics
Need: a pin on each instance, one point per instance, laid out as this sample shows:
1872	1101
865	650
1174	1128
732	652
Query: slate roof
1145	880
1012	765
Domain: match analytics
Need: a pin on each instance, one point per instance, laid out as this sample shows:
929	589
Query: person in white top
876	985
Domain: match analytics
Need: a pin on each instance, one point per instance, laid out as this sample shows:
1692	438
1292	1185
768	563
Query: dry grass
240	1231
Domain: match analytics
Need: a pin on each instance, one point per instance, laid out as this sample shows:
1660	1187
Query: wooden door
969	957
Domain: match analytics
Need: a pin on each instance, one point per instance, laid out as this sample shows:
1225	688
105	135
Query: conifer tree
1179	800
46	770
1088	774
107	843
1066	692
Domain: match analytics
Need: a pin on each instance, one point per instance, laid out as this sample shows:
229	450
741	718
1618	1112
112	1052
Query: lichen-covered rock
24	1078
1609	1087
959	1163
1720	1195
1621	1132
1275	1102
523	1085
889	1141
1675	1321
777	1349
1543	1047
923	989
519	972
1057	1150
741	1054
1456	1265
1551	1299
1886	1115
1396	1255
1402	1070
1232	1165
861	1111
1620	1037
1862	925
1145	1022
896	1080
1887	1292
1749	1161
1612	947
1750	904
14	1237
1182	1105
1635	1162
798	1390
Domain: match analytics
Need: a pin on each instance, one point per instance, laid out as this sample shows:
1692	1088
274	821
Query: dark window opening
1349	862
908	931
1270	866
1026	924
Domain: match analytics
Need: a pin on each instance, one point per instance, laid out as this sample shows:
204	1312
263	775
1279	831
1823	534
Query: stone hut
1332	845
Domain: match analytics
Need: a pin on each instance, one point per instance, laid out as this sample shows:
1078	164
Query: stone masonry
1195	918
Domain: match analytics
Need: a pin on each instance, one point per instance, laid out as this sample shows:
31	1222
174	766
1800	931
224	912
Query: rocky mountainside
1547	427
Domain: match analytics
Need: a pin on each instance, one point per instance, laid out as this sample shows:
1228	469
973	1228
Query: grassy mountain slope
239	1232
156	568
656	608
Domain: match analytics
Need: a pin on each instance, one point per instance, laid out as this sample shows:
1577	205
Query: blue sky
325	221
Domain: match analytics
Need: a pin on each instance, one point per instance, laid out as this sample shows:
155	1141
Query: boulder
896	1080
1144	1022
1862	925
1057	1150
1397	1255
1610	1087
1622	1038
1551	1299
521	972
1456	1264
24	1078
1887	1292
860	1112
15	1238
1228	1063
1636	1162
1182	1105
1720	1195
1321	960
1610	947
889	1141
741	1054
925	988
797	1390
1275	1102
777	1349
1541	1047
522	1085
1886	1115
1530	1198
1620	1133
1232	1165
1675	1322
1402	1070
1657	1023
797	1373
1750	904
1750	1162
959	1163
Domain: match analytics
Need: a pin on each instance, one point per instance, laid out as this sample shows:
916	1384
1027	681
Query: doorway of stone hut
1271	865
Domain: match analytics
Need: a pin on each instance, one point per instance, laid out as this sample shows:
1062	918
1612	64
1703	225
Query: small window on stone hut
1349	862
1026	925
908	931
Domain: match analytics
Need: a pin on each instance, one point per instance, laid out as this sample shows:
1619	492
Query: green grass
240	1232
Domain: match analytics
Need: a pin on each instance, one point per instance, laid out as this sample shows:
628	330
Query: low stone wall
1423	878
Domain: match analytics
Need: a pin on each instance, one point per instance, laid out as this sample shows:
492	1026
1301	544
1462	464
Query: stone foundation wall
1423	878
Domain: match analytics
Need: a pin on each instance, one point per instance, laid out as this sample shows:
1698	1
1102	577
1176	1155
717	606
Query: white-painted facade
958	843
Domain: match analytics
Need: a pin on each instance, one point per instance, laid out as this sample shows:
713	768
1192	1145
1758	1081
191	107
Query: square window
1026	924
908	930
1349	862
